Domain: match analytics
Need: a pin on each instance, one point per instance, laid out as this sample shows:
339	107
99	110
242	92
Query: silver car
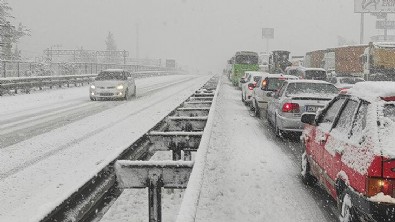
261	94
293	99
113	84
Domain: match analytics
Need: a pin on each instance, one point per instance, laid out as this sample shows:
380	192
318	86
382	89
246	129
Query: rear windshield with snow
315	74
311	88
274	83
111	76
350	80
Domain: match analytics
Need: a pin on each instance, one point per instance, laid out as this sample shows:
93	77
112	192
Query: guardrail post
17	64
155	197
4	69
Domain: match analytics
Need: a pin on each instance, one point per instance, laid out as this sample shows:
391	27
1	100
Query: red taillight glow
389	98
377	185
251	86
291	108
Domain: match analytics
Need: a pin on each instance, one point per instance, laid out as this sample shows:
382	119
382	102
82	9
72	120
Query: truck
278	61
379	61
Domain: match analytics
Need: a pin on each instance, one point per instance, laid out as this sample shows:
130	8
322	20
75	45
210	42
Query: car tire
257	110
347	211
135	92
277	130
307	178
242	97
92	99
126	95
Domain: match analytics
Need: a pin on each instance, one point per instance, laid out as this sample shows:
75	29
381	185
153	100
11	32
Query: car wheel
257	110
127	94
307	178
242	97
277	131
135	92
347	211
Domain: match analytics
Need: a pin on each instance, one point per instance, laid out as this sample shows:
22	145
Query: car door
336	141
320	135
273	103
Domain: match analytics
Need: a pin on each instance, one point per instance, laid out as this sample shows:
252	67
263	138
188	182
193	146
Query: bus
243	61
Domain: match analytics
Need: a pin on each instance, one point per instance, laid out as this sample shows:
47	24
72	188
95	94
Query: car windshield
350	80
111	76
315	74
311	88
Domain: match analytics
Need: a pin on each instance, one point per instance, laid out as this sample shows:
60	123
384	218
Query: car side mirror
308	118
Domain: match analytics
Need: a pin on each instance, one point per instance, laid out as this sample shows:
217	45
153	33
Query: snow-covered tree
9	33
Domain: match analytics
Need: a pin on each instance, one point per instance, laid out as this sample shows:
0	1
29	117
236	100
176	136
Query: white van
307	73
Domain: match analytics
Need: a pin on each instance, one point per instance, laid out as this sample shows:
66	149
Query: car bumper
292	124
107	94
372	211
262	105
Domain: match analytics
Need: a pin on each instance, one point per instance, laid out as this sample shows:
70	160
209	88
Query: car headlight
120	87
93	86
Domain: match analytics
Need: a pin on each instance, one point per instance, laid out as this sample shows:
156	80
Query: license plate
312	109
106	94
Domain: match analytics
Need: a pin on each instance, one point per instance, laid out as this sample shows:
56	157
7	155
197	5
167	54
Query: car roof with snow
308	81
373	91
113	70
282	76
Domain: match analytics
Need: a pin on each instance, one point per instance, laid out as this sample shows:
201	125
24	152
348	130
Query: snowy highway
52	142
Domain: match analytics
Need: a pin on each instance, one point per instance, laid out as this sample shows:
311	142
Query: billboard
171	63
382	24
372	6
268	33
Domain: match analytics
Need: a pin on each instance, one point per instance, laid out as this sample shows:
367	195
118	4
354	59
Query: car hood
108	83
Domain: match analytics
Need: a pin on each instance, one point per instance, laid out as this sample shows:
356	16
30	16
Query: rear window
111	76
315	74
274	83
257	78
350	80
311	88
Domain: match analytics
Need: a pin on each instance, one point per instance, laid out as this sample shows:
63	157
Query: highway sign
268	33
382	24
369	6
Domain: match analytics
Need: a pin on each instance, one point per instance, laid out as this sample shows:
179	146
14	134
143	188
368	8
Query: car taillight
251	86
377	185
291	108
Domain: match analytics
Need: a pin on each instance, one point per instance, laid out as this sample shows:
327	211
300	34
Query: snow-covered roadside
247	177
79	151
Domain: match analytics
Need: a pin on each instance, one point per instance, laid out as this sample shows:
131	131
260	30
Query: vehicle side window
346	117
329	116
333	80
360	122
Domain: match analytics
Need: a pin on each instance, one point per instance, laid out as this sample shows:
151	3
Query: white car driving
113	84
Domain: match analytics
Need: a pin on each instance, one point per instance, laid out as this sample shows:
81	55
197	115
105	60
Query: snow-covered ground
248	176
39	172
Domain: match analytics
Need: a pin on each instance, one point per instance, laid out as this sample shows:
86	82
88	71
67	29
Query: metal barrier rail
26	84
94	198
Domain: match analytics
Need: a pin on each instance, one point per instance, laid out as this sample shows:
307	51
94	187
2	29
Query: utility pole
362	27
137	41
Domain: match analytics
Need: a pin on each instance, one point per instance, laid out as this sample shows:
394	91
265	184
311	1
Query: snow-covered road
248	177
45	168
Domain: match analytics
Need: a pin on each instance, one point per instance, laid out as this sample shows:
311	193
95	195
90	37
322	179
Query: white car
113	84
294	98
261	94
249	84
345	82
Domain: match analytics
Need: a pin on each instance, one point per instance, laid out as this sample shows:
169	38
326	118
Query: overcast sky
197	33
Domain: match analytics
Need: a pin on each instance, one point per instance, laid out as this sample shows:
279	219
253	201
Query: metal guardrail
26	84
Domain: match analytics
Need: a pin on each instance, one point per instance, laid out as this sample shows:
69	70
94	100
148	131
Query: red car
350	151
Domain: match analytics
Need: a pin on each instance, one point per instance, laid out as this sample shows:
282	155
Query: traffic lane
292	147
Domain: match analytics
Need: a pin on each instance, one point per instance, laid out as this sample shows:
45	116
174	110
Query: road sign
268	33
369	6
382	24
381	38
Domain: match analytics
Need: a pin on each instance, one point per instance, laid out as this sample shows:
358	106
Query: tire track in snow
92	133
